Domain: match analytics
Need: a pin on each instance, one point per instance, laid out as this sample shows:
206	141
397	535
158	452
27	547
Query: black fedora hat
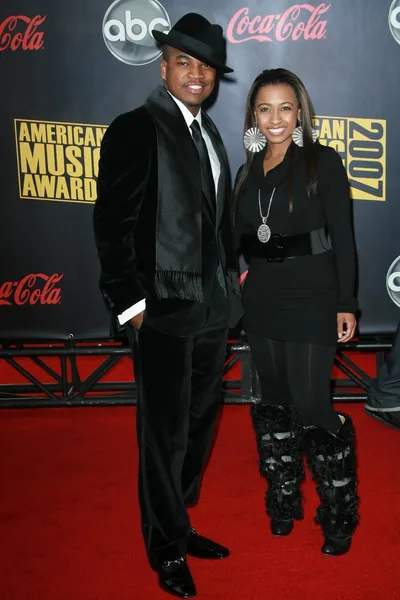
199	38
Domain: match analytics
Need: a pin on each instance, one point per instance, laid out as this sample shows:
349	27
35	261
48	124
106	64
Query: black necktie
207	179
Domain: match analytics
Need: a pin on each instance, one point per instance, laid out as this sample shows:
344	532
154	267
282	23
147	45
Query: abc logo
127	27
394	20
393	281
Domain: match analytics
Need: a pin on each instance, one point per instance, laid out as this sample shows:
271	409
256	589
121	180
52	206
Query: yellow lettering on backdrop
325	131
90	190
99	135
61	134
90	139
32	161
62	189
24	134
45	186
338	129
38	132
28	188
51	132
55	159
74	168
76	189
78	136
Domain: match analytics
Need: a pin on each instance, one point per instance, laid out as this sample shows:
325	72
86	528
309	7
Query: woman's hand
346	333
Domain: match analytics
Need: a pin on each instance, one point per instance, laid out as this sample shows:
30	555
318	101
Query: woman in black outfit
299	302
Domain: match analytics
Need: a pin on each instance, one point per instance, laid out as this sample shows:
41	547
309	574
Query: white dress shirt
140	306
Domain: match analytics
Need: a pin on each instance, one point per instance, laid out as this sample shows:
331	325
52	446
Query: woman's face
277	112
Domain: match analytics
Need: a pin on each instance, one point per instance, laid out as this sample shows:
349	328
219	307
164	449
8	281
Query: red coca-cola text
35	288
299	21
30	39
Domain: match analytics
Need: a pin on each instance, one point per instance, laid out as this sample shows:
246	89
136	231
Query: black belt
281	247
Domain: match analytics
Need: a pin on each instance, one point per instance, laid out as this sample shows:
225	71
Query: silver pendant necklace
264	232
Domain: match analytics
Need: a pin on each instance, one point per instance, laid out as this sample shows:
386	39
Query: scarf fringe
177	284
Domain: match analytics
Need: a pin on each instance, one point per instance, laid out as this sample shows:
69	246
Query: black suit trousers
179	383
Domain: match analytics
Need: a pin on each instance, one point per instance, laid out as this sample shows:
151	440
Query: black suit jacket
125	218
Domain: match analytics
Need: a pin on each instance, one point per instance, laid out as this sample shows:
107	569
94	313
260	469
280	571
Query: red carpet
70	523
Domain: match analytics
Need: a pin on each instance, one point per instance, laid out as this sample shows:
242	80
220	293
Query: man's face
190	80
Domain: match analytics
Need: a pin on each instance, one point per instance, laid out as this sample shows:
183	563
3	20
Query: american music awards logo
362	145
57	160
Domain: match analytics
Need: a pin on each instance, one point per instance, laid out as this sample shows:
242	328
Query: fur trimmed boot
332	461
278	433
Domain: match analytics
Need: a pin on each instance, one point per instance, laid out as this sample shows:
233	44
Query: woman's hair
275	77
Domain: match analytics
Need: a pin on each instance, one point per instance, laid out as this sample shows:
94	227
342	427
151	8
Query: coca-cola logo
299	21
35	288
12	38
394	20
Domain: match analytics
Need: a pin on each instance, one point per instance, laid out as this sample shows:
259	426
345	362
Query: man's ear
163	69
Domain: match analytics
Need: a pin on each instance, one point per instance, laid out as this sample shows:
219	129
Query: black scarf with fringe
178	268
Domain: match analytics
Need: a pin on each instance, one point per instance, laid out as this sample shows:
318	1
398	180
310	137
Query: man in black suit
168	272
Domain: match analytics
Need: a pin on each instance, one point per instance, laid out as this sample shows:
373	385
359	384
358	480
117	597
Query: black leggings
298	374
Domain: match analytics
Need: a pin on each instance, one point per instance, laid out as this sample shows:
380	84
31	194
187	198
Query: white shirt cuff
132	311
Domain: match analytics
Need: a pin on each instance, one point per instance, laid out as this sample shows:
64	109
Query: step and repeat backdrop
67	68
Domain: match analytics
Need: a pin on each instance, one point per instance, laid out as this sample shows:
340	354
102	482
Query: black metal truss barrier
68	389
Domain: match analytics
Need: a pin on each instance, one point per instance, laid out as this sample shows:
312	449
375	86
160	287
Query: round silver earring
254	140
297	136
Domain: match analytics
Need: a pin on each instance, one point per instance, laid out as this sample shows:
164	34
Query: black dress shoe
281	527
201	547
175	578
332	547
